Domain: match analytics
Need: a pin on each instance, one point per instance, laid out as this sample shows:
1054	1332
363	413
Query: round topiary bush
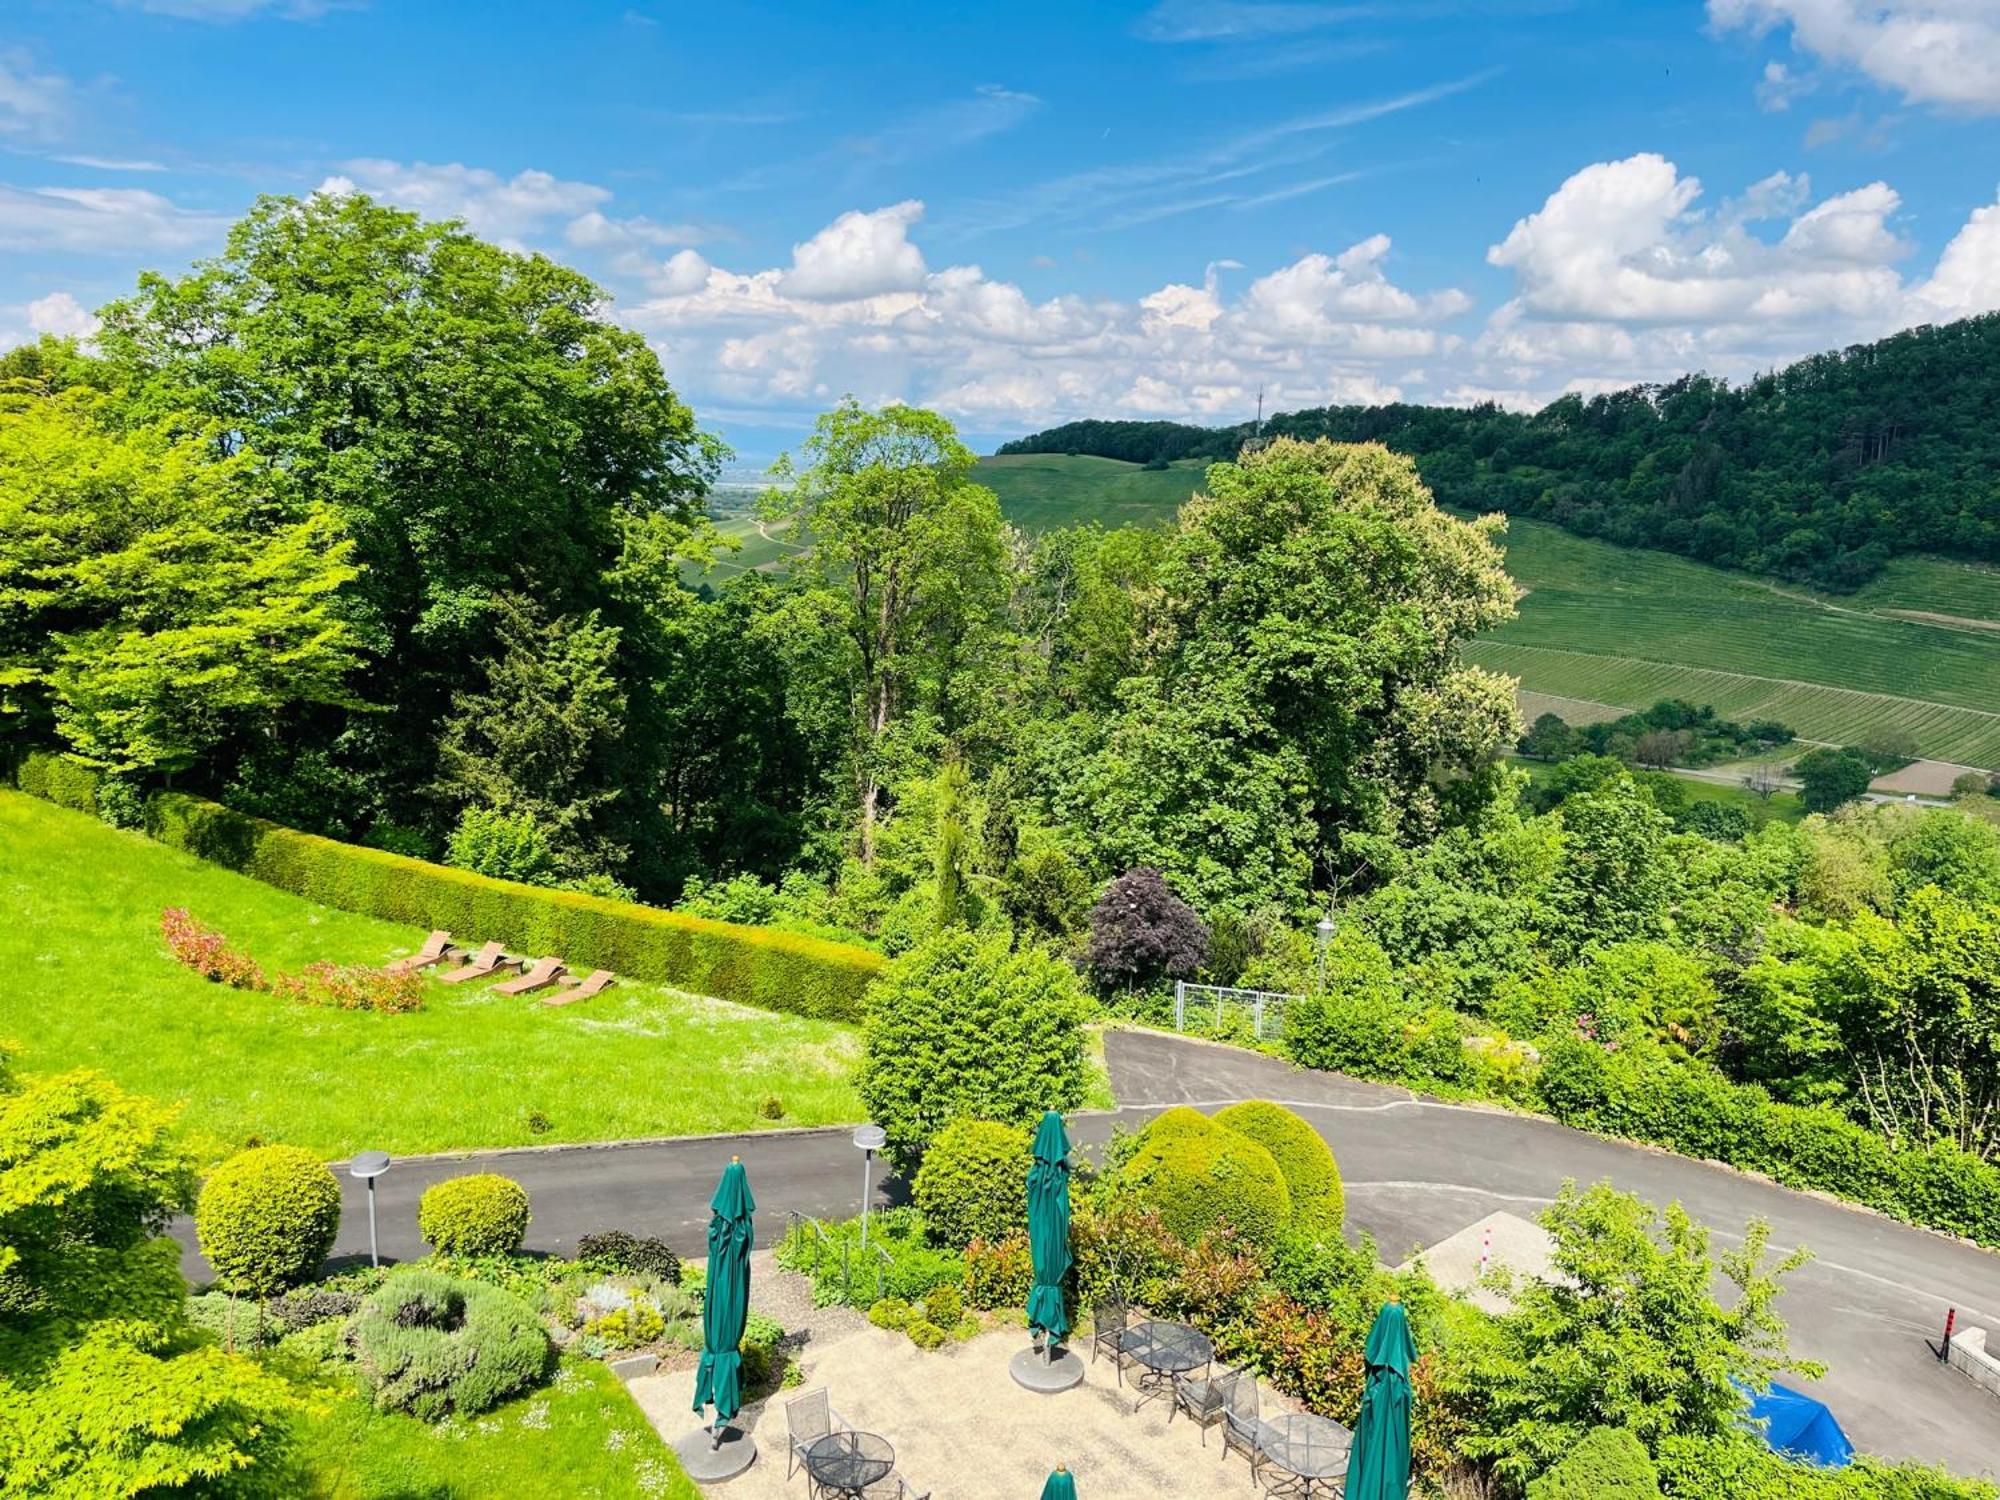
1201	1177
267	1217
1609	1464
484	1214
1303	1156
432	1345
974	1182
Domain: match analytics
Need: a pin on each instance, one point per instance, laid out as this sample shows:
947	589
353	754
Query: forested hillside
1820	472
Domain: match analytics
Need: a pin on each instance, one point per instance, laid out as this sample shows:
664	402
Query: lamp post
870	1139
368	1166
1325	931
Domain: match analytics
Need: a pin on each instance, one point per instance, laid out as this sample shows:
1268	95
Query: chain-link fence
1219	1010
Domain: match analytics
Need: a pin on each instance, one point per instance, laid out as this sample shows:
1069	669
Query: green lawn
579	1438
88	983
1917	650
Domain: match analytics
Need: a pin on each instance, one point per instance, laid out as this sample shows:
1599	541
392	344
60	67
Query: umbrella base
708	1464
1046	1377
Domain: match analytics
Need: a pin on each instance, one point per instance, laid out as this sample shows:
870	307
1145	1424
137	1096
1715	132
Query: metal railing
808	1244
1212	1005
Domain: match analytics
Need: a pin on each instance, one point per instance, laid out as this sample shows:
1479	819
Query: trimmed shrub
267	1217
58	779
943	1305
974	1183
1609	1464
431	1345
1311	1174
643	1255
481	1214
892	1313
1199	1178
927	1335
774	970
965	1027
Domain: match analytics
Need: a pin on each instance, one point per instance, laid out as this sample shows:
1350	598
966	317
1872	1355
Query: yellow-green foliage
267	1218
1199	1176
627	1327
974	1182
1609	1464
480	1214
1311	1174
782	971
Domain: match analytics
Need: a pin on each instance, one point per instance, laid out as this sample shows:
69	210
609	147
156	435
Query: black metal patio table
846	1463
1162	1351
1310	1450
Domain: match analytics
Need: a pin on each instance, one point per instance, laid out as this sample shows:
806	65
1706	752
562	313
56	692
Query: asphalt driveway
1416	1171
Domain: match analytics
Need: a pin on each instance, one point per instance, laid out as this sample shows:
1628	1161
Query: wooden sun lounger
545	973
436	949
580	989
488	960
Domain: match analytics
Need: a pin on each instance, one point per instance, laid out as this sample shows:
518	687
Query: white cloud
860	310
101	221
33	105
1938	52
859	255
505	209
1239	20
61	314
1621	277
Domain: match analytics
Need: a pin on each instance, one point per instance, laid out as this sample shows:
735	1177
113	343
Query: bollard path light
870	1139
368	1166
1324	928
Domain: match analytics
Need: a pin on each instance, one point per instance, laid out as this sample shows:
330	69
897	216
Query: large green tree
1302	701
905	562
480	426
152	599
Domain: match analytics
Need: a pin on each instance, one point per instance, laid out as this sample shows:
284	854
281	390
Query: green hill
1916	650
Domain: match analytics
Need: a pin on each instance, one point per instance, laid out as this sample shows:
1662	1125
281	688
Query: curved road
1416	1171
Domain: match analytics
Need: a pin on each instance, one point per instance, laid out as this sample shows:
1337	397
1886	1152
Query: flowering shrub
207	951
998	1273
353	987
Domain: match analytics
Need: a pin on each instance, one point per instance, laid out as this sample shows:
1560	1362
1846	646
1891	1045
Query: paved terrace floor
1416	1171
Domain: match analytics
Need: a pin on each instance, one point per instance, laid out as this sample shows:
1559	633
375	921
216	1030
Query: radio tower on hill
1257	440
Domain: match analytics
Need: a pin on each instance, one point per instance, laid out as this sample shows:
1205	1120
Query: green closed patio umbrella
1379	1466
1048	1230
1060	1486
726	1303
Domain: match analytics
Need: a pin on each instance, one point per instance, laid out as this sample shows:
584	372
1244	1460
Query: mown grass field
89	984
580	1438
1918	650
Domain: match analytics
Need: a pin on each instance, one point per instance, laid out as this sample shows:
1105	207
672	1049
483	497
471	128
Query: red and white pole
1944	1349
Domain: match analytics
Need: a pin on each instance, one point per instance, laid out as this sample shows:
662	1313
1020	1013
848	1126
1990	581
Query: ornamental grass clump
433	1346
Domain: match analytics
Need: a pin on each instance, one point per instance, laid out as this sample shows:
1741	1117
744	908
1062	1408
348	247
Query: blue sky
1030	212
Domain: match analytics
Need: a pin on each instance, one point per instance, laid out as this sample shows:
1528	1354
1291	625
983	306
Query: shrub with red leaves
353	987
207	951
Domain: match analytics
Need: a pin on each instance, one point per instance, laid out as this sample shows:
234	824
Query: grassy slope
88	983
1616	625
580	1438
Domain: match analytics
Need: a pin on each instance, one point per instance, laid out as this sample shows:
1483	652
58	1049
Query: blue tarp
1799	1427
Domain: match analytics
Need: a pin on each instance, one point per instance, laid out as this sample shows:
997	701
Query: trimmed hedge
1199	1176
58	779
781	971
1311	1174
